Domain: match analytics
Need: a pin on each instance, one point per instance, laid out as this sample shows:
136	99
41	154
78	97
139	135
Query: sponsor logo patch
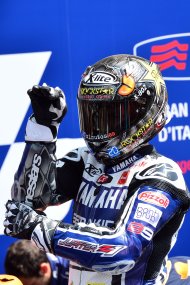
135	228
92	170
123	178
33	178
104	249
148	213
140	229
158	199
104	178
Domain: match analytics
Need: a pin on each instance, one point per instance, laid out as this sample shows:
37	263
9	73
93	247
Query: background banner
54	41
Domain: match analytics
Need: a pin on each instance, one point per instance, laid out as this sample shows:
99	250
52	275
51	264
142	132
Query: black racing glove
49	107
48	103
21	221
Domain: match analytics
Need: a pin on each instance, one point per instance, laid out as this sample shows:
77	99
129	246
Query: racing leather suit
59	268
146	191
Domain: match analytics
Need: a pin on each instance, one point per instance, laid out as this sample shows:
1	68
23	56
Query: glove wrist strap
39	133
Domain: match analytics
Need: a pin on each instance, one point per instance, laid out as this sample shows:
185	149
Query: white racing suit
144	196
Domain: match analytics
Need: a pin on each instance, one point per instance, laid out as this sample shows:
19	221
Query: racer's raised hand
48	103
49	107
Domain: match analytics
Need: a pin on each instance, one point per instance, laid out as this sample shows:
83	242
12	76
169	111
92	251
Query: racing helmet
122	103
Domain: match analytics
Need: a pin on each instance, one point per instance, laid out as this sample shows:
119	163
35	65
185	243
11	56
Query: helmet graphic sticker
127	87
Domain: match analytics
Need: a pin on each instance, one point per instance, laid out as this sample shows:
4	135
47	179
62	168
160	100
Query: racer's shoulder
159	167
77	153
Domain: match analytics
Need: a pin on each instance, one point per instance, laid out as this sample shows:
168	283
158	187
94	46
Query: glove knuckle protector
48	104
27	224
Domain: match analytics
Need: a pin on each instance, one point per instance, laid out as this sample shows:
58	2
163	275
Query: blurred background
53	41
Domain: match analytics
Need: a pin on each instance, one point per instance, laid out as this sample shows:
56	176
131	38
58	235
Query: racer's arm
40	178
98	248
117	250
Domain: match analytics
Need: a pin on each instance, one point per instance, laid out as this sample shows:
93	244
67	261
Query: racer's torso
101	194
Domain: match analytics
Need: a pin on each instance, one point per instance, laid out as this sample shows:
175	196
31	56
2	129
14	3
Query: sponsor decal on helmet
138	134
95	92
142	90
158	199
99	136
113	151
127	87
100	77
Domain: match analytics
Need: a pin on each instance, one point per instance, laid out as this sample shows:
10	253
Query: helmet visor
104	120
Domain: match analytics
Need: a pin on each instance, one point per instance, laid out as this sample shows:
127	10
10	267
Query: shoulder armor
164	174
163	169
77	154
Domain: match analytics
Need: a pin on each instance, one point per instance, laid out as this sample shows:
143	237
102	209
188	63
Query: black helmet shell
122	101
